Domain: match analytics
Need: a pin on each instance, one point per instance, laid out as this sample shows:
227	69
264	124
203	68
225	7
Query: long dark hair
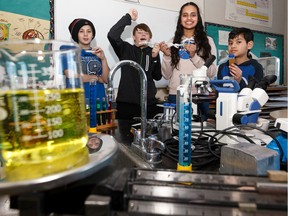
203	46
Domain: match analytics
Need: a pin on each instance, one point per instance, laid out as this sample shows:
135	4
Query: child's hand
99	52
236	72
165	49
155	50
134	14
191	48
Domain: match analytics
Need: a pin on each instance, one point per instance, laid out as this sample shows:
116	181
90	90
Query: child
94	63
184	60
240	43
128	97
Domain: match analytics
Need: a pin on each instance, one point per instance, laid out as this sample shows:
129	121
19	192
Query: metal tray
98	160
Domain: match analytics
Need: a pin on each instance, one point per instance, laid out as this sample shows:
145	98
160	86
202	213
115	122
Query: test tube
104	108
98	108
231	59
93	120
109	116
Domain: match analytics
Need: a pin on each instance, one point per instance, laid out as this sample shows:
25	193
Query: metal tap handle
154	145
110	94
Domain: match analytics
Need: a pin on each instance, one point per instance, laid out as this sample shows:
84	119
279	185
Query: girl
196	50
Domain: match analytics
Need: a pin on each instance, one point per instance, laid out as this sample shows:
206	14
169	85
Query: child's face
189	17
85	35
238	46
141	35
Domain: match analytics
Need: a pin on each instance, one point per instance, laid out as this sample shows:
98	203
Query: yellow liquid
44	133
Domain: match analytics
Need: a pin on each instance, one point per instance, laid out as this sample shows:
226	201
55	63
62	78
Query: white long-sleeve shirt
185	66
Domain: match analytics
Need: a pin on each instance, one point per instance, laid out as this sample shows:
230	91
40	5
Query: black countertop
124	137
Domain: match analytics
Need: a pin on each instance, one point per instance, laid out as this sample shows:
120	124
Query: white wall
104	14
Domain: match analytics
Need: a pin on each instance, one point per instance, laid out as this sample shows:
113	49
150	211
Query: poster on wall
266	45
25	19
256	12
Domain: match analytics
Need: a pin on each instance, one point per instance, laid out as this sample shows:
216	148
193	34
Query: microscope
239	108
243	108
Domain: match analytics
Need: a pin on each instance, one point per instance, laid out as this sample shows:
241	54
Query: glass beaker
43	127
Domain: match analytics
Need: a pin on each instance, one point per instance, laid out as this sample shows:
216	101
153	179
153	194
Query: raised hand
133	13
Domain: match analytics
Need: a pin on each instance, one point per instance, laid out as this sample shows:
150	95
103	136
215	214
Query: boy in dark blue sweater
240	43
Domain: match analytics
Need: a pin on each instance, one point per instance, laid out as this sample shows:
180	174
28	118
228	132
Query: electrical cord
201	150
207	146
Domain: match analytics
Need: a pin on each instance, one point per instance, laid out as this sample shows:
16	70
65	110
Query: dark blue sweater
249	68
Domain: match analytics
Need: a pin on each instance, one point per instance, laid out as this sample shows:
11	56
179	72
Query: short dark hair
247	33
143	27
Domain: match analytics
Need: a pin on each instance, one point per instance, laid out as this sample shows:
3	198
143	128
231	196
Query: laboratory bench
129	185
124	136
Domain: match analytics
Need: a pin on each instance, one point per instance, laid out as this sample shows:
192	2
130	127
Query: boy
240	43
128	97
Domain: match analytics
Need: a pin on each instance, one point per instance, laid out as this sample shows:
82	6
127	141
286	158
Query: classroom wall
161	17
215	13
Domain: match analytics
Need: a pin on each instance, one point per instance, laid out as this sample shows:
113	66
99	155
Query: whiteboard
105	13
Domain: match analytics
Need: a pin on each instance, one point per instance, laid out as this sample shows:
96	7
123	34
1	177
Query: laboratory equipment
243	107
250	100
248	159
185	117
281	146
93	106
226	102
271	66
43	124
149	147
184	109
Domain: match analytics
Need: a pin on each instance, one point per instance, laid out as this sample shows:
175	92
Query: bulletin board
265	44
26	19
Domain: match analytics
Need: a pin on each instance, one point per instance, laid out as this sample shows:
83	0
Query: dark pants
127	111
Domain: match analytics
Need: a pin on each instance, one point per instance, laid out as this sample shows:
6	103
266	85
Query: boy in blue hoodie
240	42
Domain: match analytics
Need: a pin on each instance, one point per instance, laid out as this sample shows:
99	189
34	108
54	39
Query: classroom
143	107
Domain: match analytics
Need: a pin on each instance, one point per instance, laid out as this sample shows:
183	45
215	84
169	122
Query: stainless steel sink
128	158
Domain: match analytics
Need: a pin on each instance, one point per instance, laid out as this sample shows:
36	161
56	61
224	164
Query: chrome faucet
143	96
148	148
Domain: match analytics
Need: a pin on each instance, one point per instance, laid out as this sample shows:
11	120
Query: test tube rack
107	120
